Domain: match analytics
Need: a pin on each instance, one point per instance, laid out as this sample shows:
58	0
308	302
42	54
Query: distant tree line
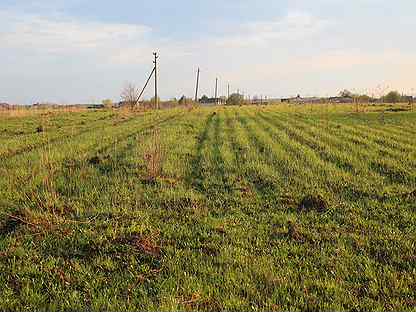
391	97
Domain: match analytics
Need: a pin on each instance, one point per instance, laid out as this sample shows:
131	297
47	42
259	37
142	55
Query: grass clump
154	157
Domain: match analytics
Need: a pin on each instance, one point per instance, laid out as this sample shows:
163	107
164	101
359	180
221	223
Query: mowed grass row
369	147
345	154
44	132
29	170
27	123
87	226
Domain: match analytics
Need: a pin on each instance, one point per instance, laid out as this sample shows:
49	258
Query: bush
393	97
235	99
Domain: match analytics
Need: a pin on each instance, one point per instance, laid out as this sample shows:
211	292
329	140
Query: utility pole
216	90
228	91
156	96
197	85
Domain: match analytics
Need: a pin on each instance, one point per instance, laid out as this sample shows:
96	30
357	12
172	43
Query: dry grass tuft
154	157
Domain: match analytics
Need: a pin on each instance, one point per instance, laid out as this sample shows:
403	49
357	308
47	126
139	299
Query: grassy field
201	209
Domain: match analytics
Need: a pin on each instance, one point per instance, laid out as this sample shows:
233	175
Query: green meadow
273	208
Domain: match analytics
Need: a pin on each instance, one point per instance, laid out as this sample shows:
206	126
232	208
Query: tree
108	103
204	99
130	95
235	99
392	97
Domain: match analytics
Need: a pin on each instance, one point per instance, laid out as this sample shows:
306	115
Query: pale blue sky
83	51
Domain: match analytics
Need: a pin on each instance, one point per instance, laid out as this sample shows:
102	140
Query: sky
79	51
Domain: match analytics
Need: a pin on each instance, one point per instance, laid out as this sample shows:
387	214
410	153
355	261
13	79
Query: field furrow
345	154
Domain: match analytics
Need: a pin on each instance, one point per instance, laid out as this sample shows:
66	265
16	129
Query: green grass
84	228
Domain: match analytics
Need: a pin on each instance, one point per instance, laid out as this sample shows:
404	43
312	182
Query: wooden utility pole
197	85
156	95
216	90
228	91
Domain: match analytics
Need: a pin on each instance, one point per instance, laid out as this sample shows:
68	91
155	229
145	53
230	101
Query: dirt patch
293	231
96	160
40	129
10	224
313	202
146	245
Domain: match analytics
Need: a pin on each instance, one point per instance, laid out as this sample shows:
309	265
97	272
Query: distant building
213	101
125	104
260	101
44	105
341	99
95	106
302	100
408	99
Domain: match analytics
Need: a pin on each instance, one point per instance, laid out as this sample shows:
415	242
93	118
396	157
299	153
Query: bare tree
130	95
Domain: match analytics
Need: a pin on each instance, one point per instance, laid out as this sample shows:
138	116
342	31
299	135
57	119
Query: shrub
393	97
235	99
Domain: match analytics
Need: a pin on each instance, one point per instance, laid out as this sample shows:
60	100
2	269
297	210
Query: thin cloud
64	36
294	26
